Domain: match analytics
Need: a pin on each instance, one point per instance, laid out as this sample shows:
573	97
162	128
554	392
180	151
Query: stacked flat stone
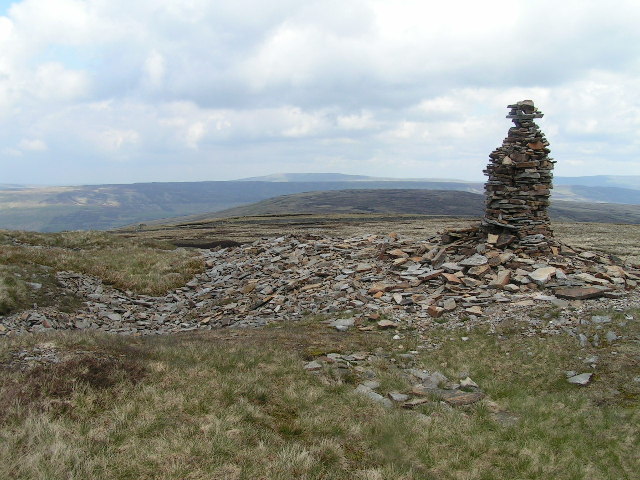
520	181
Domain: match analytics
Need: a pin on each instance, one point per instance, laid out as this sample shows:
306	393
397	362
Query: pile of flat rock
520	181
387	279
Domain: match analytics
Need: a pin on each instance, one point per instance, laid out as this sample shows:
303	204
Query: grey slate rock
376	397
581	379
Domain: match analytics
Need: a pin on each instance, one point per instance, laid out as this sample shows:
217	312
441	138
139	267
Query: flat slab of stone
474	260
375	396
414	402
313	366
542	275
398	397
434	379
581	379
343	322
384	324
458	398
580	293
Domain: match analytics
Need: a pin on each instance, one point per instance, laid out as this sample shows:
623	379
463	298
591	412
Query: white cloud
155	69
114	139
360	121
195	133
230	86
53	82
34	145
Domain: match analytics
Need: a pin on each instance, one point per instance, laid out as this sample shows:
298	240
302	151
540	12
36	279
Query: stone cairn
519	185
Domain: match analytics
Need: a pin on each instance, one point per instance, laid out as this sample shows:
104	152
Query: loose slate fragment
459	398
474	260
580	293
582	379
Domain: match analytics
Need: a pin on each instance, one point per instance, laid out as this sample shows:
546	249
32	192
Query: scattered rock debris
389	281
427	387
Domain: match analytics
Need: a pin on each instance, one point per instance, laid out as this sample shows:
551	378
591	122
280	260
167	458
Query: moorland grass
239	405
13	290
147	267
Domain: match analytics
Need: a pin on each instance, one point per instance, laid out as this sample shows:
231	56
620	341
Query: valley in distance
103	207
319	327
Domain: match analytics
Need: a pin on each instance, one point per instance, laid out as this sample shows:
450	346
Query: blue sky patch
4	6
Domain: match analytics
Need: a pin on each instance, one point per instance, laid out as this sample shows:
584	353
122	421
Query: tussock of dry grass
239	405
616	239
13	290
148	267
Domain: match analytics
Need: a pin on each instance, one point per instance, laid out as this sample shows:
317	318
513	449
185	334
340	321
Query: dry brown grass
51	387
618	239
148	267
13	290
237	404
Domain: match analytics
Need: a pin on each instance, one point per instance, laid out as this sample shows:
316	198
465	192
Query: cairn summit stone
520	182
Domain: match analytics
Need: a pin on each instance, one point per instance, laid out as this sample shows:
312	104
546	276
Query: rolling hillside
102	207
417	202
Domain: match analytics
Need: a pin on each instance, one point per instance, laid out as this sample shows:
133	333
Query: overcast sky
119	91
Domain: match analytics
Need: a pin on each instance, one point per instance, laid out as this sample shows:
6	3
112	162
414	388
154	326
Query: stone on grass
601	319
581	379
414	402
434	380
372	384
375	396
584	341
313	366
398	397
419	374
467	382
384	324
343	324
591	359
459	398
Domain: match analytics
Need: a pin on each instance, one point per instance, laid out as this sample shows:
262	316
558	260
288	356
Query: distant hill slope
582	193
309	177
402	201
340	177
619	181
103	207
